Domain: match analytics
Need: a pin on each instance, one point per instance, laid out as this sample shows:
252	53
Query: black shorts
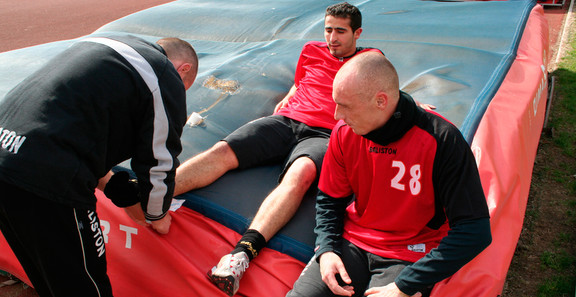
275	139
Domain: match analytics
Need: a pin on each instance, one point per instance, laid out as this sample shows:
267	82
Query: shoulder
450	141
342	132
340	127
314	50
435	123
368	49
131	40
315	45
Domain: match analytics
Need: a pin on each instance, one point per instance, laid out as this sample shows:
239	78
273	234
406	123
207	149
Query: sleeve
457	182
333	177
457	185
300	71
156	159
330	214
331	208
464	241
122	190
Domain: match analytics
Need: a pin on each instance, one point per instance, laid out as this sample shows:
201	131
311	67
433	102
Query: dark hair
346	10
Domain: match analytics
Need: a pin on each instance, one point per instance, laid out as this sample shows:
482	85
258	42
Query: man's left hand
390	290
426	106
136	213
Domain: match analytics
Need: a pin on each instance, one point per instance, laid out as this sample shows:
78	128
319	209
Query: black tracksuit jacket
87	110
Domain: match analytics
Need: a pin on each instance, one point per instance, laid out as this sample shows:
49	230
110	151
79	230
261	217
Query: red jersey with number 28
394	192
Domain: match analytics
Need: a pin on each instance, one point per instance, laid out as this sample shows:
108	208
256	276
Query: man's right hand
280	105
284	101
330	266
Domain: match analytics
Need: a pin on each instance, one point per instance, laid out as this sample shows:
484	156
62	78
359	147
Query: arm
425	106
104	180
124	193
330	214
464	241
330	210
156	156
156	187
300	72
286	99
459	193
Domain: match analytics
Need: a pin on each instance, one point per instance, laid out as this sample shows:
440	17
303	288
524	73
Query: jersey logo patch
418	248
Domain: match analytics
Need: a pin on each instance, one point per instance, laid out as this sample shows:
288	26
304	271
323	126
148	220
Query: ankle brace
251	243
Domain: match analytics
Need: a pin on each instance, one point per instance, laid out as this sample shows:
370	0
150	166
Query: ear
357	33
184	68
381	100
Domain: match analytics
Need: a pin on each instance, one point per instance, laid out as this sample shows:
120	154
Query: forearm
104	180
156	196
156	188
286	98
290	93
330	214
463	242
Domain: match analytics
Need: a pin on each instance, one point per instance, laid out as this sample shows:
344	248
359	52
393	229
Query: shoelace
242	264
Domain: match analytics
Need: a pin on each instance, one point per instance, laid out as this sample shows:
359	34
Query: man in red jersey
297	133
419	212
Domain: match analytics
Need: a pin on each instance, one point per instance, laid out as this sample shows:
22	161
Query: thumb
344	274
417	295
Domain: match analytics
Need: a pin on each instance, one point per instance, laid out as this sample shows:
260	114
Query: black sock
251	243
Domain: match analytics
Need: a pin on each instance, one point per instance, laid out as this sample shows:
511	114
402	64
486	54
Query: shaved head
369	73
366	92
183	57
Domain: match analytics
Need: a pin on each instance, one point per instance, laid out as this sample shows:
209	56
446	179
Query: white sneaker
227	274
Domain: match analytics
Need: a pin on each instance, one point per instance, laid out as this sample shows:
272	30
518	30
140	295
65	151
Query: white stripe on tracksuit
84	254
160	134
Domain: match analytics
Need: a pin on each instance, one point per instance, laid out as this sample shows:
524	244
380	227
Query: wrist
122	190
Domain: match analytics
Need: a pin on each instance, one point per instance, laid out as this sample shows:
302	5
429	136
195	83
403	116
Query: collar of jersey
401	121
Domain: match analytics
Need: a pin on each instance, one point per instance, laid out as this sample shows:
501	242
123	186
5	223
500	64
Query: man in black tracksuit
100	102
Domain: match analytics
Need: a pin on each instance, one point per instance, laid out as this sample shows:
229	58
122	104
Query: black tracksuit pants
60	248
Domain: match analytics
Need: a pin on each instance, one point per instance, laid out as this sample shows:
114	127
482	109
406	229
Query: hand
162	225
286	98
390	290
280	105
330	265
136	213
425	105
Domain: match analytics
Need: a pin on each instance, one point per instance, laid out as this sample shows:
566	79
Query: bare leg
283	202
205	168
276	210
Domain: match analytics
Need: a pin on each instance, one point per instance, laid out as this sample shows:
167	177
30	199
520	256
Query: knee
222	152
302	172
291	293
221	148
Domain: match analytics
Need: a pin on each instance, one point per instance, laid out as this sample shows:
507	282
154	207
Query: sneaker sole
225	284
